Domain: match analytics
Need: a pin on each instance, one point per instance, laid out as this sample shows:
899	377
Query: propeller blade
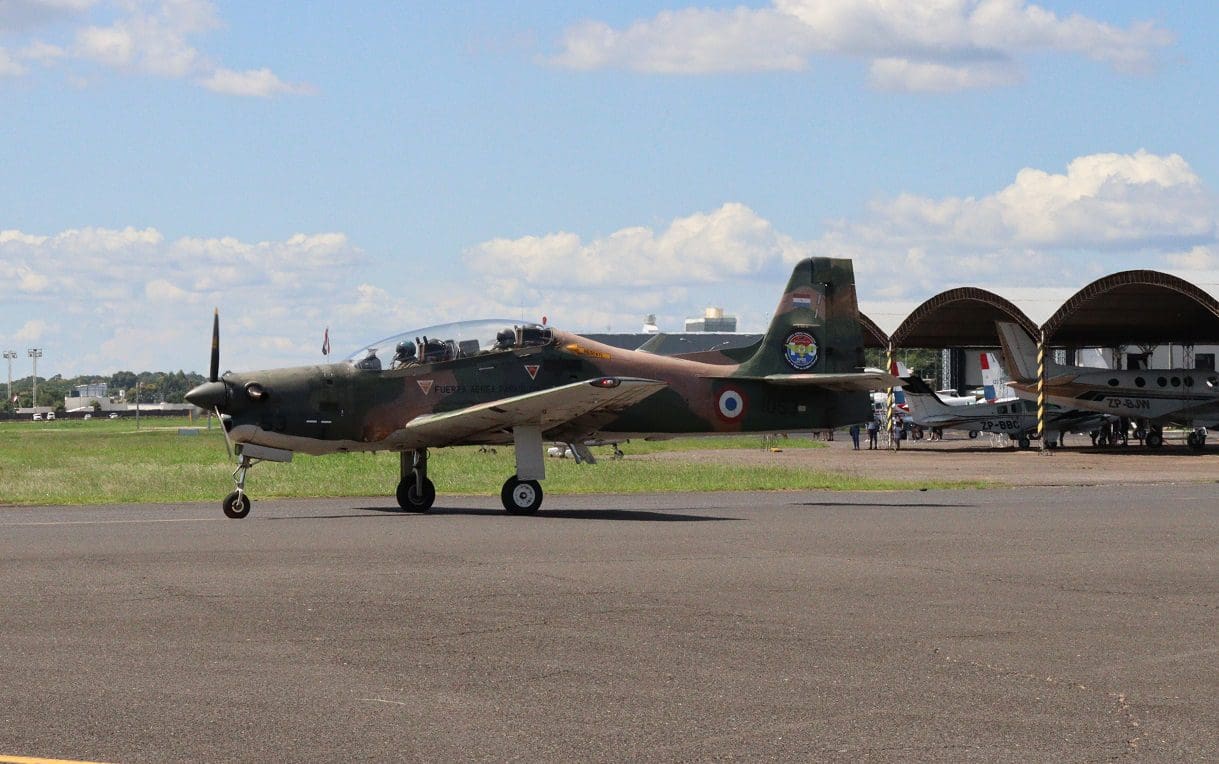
215	369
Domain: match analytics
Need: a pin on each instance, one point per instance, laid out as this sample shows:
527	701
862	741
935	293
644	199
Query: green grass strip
109	462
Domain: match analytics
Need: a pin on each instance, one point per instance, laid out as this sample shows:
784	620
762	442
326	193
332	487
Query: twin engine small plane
500	382
1152	397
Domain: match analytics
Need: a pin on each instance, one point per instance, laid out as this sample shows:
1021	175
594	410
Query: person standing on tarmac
855	436
873	431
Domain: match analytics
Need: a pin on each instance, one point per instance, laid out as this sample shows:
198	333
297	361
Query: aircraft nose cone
208	395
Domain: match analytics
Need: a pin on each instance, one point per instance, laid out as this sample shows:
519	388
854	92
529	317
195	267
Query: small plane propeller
215	368
213	393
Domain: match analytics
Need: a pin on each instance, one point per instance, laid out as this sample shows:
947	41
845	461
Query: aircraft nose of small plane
208	395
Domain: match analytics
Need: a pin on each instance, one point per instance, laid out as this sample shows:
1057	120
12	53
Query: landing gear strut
237	504
415	492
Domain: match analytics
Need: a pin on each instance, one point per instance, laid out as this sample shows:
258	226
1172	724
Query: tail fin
815	329
922	400
1019	352
992	376
898	369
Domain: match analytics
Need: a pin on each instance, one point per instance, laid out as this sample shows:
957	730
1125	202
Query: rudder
815	329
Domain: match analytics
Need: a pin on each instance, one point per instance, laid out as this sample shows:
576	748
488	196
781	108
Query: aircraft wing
862	381
546	409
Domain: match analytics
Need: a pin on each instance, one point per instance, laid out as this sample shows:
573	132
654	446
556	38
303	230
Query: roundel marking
731	404
800	350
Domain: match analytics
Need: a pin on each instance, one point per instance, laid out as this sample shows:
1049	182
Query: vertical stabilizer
922	401
992	376
1019	352
815	329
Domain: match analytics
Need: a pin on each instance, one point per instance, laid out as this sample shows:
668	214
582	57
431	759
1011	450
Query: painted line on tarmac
107	522
34	760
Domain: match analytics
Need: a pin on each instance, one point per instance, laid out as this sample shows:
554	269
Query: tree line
154	387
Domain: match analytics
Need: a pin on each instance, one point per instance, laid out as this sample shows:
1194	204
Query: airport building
713	320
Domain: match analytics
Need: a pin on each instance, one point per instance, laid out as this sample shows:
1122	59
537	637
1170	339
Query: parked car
38	417
114	415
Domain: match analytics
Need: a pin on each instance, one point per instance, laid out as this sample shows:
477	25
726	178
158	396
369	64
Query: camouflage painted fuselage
341	407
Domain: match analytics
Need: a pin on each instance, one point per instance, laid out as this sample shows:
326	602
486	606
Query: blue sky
378	166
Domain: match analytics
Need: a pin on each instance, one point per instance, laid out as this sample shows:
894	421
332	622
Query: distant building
94	390
649	325
713	320
91	397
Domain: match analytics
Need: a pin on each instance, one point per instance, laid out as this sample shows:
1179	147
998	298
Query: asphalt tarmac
1030	624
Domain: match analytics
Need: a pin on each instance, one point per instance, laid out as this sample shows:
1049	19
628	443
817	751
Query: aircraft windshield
446	342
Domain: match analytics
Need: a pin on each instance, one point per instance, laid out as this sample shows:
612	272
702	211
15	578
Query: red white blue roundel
800	350
731	404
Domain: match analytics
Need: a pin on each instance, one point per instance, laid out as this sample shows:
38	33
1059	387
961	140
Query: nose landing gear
237	504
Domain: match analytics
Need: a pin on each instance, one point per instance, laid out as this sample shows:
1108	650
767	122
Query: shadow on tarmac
628	515
884	504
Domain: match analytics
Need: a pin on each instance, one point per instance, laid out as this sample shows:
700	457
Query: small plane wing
864	381
546	409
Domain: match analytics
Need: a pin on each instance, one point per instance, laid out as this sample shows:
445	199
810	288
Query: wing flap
546	409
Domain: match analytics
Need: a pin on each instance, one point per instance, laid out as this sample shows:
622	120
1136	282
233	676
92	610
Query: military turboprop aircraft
1154	397
498	382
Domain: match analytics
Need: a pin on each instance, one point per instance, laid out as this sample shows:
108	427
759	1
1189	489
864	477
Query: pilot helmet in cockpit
404	353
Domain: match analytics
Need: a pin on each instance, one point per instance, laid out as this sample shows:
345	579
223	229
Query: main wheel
416	498
1154	439
521	497
973	434
237	505
1023	442
1196	440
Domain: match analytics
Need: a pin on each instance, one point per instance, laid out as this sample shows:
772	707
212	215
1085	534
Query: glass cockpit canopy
448	341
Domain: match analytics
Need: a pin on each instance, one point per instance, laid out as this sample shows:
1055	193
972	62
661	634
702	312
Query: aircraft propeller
213	393
215	368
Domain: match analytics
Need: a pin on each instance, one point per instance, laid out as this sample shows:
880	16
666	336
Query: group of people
897	433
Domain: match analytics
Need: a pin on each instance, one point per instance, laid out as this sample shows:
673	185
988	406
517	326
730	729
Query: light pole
35	353
9	355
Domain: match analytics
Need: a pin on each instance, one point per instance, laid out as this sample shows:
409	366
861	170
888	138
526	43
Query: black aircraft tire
521	497
1024	443
237	505
1154	440
1196	442
973	434
413	500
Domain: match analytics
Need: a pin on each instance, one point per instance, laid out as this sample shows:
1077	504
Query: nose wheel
237	504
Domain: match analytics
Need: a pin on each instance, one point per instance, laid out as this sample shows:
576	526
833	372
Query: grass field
109	461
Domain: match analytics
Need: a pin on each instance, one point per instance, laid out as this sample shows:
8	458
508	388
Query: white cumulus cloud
260	83
144	37
119	286
916	45
705	247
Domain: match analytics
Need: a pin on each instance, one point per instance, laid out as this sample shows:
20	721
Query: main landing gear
521	497
1197	439
521	494
415	492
